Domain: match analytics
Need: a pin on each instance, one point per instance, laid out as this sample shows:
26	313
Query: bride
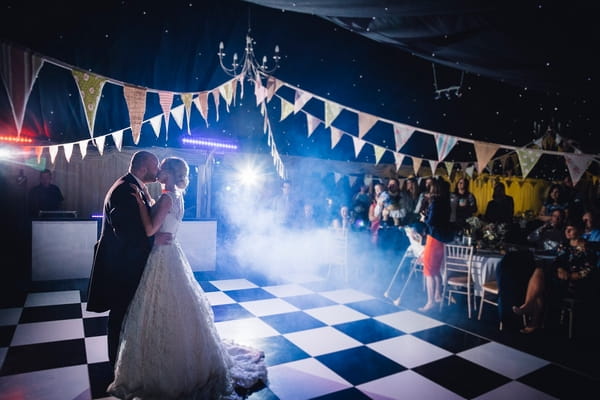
170	348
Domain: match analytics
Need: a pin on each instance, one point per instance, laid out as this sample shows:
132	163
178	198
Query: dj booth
62	246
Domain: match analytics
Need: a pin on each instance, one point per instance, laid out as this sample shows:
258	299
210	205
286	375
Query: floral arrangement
490	235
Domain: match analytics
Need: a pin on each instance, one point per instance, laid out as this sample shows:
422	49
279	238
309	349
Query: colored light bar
210	143
16	139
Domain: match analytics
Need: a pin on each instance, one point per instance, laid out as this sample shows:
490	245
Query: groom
120	254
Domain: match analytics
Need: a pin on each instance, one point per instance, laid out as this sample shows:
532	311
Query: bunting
187	98
201	103
449	167
365	123
527	159
156	122
577	165
53	150
398	157
68	148
216	97
379	152
358	145
38	153
83	144
311	123
336	135
177	114
19	70
401	135
433	165
226	91
332	110
484	153
136	103
118	139
300	99
166	102
286	109
416	164
90	90
99	141
444	143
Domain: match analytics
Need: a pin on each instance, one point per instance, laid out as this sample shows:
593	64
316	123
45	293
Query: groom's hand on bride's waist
161	238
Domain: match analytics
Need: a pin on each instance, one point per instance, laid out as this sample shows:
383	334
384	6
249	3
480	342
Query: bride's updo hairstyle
178	169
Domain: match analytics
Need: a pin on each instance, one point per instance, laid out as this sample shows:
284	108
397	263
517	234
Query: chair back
458	258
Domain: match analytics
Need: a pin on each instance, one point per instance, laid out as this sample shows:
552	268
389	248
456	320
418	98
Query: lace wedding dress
169	347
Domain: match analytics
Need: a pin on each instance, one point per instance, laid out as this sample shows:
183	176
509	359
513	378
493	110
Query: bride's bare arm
159	211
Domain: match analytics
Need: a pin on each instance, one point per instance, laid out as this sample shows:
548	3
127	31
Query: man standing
45	196
120	254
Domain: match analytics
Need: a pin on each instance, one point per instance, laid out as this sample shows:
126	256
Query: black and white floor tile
322	340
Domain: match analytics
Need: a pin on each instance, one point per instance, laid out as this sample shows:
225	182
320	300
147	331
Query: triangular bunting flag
449	167
19	70
336	177
336	135
68	148
118	138
201	103
83	144
484	152
38	153
365	123
358	145
332	110
216	96
433	165
311	123
352	180
177	114
286	109
53	150
273	85
136	103
527	159
398	157
469	171
577	165
156	122
379	151
300	99
187	98
99	141
90	89
166	101
226	91
401	135
416	164
444	143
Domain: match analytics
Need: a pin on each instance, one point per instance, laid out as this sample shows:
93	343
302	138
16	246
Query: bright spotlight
250	177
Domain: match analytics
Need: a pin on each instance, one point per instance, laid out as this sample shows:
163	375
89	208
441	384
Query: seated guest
569	275
551	234
592	227
501	208
554	201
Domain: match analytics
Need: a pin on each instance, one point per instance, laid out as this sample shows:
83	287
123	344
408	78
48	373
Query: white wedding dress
169	347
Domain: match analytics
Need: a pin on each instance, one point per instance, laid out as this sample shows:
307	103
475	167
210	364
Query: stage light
209	143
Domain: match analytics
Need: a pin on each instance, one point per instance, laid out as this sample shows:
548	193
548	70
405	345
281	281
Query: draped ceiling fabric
525	64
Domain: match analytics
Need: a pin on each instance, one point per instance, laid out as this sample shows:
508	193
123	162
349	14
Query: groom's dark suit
119	258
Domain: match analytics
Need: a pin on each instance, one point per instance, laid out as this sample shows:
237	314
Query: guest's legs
433	254
533	306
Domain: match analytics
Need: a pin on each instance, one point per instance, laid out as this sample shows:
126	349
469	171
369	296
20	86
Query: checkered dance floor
321	340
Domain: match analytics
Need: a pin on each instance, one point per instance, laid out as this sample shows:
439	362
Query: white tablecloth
484	269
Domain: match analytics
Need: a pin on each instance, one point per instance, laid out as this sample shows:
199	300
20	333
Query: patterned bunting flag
332	110
365	123
527	159
90	89
577	165
484	153
136	103
187	98
444	143
300	99
398	157
166	102
201	103
401	135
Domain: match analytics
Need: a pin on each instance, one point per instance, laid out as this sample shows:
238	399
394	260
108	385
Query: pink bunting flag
216	96
19	71
311	123
336	135
365	123
300	99
401	135
484	153
201	103
166	101
416	164
136	103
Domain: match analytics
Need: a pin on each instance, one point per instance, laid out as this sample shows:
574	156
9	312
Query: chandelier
248	67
